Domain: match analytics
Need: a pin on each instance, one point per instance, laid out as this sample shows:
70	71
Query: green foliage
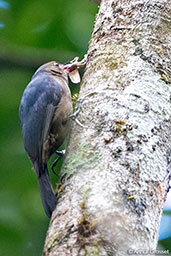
56	24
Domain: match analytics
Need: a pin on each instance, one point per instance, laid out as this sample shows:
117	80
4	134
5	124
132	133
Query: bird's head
52	68
56	69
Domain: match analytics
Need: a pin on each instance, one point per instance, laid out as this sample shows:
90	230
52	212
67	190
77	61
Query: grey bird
45	107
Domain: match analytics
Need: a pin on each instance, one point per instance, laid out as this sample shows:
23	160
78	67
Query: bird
44	109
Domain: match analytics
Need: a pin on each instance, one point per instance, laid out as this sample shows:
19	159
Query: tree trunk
116	172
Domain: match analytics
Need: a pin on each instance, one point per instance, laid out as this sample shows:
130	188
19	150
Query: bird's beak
73	73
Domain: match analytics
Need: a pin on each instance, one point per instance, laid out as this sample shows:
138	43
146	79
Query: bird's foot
60	155
77	111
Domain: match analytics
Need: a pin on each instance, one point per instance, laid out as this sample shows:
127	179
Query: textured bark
116	171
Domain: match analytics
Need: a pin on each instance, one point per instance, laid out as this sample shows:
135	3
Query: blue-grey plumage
45	105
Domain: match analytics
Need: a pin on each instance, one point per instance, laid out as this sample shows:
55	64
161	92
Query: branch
116	173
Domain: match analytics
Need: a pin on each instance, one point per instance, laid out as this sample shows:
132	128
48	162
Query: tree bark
116	173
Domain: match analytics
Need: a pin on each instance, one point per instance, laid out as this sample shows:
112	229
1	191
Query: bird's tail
49	200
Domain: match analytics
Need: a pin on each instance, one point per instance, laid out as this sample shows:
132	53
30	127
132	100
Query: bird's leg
77	109
75	114
60	155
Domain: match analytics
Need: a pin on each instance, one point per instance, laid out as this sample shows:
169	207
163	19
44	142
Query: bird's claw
60	155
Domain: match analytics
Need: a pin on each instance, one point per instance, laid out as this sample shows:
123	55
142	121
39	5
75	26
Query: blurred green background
32	32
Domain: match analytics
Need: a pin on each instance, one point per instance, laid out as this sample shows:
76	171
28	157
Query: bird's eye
56	64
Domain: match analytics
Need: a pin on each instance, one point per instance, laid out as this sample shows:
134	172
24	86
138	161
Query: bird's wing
38	104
